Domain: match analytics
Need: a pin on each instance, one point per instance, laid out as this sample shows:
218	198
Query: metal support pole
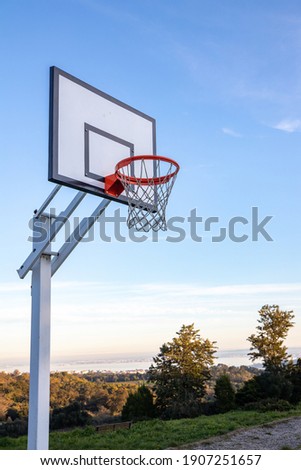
39	392
43	267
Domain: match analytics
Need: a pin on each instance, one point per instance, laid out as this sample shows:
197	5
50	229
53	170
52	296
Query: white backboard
90	132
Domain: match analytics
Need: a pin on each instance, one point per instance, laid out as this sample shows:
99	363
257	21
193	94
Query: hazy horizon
117	362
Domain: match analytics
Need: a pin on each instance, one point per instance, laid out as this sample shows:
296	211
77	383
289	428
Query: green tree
294	375
268	385
272	330
180	372
224	394
139	405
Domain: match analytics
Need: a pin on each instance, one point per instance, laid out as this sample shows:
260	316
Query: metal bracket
51	253
47	215
77	235
55	227
47	201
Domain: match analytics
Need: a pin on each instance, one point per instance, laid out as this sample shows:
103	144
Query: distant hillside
101	394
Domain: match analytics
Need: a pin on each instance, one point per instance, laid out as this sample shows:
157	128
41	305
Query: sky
223	81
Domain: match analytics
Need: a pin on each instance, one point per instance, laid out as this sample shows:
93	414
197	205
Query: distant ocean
122	363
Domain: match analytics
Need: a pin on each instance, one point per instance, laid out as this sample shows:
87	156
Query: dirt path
284	434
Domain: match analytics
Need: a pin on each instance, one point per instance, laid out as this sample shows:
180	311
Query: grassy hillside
155	434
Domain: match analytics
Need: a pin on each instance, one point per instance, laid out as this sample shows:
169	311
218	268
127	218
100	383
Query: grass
154	434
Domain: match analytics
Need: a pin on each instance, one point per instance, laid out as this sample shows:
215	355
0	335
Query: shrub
139	405
224	394
69	416
294	375
12	414
190	408
268	385
269	404
15	428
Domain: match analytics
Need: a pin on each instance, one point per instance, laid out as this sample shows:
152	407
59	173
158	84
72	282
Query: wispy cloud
82	288
7	287
234	289
89	316
230	132
78	287
289	125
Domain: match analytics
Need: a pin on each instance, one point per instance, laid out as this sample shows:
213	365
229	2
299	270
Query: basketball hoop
147	181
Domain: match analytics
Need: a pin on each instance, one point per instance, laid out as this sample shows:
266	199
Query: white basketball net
147	199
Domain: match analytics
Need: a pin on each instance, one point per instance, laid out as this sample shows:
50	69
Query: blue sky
223	80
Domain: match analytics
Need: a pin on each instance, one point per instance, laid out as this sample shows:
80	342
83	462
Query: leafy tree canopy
180	371
268	343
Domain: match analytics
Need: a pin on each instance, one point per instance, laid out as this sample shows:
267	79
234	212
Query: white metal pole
39	392
42	270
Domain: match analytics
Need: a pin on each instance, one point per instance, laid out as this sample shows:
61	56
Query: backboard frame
89	129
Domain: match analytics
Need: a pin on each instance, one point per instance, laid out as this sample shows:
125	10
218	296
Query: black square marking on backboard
107	135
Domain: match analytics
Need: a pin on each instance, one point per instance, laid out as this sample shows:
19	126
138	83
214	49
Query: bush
269	404
265	386
224	394
181	410
139	405
12	414
69	416
294	375
208	408
13	429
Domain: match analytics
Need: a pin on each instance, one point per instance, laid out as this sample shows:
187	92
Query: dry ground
282	434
